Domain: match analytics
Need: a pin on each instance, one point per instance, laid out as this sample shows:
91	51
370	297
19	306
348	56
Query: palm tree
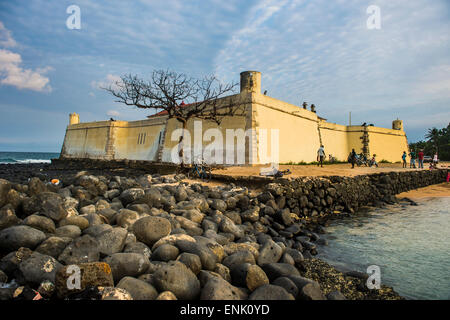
433	136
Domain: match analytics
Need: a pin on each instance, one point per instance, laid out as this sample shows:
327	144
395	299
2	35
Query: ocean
27	157
410	244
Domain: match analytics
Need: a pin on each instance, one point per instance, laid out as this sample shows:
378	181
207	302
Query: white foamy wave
34	161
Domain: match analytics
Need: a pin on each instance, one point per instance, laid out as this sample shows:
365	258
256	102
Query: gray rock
10	263
296	255
138	247
192	261
150	229
308	289
38	268
223	271
219	289
131	195
336	295
35	186
228	226
53	246
80	250
287	284
271	292
13	238
270	252
127	264
69	231
8	217
78	221
276	270
251	214
248	275
206	255
286	258
139	290
165	252
112	241
219	204
177	278
239	257
97	230
3	277
109	214
126	218
51	205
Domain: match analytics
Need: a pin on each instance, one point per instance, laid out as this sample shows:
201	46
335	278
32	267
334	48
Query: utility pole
350	118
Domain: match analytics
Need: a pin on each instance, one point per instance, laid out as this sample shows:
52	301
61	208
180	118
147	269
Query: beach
137	235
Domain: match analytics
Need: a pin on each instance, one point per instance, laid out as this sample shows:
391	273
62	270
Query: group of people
352	158
420	157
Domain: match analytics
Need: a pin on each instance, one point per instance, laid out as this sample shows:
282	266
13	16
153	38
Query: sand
433	191
327	170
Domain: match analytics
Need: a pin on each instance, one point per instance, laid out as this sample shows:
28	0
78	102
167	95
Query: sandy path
327	170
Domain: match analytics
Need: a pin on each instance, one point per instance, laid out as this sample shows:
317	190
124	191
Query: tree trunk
181	152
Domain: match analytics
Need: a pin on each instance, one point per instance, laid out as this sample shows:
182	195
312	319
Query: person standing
435	160
320	156
353	158
420	159
412	161
404	159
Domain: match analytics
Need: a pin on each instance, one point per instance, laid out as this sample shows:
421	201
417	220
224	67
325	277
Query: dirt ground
327	170
436	190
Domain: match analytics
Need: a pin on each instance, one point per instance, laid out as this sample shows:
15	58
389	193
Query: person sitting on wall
320	156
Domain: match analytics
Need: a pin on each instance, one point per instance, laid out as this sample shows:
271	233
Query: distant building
301	131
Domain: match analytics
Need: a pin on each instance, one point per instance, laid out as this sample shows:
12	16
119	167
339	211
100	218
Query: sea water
27	157
410	244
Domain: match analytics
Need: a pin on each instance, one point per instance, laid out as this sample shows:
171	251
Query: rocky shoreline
149	236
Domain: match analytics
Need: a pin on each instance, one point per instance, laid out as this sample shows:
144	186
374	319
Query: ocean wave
14	161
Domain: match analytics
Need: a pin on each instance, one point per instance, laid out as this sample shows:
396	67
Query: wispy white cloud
109	80
6	39
11	71
322	52
113	113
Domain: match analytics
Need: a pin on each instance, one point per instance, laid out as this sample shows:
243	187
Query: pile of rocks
156	237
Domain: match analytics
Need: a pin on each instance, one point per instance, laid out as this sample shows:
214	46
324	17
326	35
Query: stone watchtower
74	118
251	81
397	125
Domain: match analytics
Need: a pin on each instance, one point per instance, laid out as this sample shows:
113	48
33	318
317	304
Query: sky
318	51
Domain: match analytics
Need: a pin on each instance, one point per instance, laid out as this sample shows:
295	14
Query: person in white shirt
320	156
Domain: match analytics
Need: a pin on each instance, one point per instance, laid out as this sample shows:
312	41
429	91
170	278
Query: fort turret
74	118
251	81
397	125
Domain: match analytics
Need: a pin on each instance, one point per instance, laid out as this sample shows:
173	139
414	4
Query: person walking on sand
420	156
404	159
353	158
320	156
412	162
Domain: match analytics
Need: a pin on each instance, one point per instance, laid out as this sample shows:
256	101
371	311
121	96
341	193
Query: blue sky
318	51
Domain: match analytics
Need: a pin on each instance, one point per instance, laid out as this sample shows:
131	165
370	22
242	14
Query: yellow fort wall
300	133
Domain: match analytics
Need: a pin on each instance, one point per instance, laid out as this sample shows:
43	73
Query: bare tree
182	97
